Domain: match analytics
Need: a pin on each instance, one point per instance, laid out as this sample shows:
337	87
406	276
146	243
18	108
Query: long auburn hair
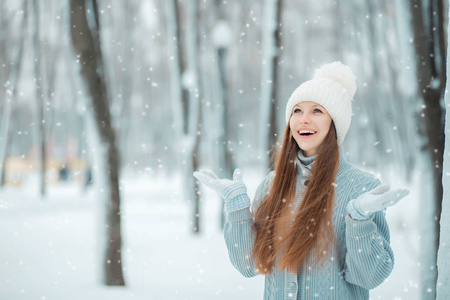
285	240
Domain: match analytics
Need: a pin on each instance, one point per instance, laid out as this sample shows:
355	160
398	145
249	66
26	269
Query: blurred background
107	107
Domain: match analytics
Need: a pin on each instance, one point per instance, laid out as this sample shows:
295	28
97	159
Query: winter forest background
107	107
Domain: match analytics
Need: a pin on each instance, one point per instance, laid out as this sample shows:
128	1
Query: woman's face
309	125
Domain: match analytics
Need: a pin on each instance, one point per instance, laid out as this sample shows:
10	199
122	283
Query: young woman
317	227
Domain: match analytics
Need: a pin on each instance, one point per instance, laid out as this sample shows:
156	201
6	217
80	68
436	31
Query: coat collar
304	164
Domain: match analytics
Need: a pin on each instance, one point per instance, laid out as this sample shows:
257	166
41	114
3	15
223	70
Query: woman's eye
297	110
317	110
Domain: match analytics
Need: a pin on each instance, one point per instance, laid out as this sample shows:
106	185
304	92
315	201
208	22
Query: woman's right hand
233	191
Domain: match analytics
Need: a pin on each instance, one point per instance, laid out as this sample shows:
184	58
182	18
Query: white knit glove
233	191
377	199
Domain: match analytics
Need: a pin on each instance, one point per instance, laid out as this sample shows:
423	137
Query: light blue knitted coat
360	260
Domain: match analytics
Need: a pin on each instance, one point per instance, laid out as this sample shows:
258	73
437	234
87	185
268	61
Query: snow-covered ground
49	248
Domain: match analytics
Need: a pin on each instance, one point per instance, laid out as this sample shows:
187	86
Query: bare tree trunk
269	79
194	118
186	104
180	97
176	68
86	42
222	40
183	86
40	94
430	68
443	281
10	96
51	56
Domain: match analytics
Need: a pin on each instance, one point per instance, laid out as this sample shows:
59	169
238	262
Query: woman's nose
305	119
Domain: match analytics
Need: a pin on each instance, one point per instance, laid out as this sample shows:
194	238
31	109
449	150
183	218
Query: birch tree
85	32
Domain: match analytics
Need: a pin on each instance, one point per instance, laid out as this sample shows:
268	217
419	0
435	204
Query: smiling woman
317	227
309	124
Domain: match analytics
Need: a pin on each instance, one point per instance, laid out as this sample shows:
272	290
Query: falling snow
51	246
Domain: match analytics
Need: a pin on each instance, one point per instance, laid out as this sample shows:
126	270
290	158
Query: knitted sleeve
369	259
240	235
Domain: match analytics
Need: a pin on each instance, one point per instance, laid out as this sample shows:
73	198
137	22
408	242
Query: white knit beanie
333	87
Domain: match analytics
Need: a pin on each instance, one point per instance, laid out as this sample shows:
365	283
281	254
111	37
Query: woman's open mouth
306	133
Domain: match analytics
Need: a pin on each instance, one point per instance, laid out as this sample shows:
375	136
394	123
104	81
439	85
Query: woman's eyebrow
313	106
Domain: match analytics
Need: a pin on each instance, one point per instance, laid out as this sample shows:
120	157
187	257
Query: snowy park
51	250
108	108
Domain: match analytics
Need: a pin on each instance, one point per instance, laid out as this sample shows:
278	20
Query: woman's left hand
375	200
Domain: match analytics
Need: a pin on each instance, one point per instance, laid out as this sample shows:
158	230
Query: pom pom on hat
340	73
333	87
